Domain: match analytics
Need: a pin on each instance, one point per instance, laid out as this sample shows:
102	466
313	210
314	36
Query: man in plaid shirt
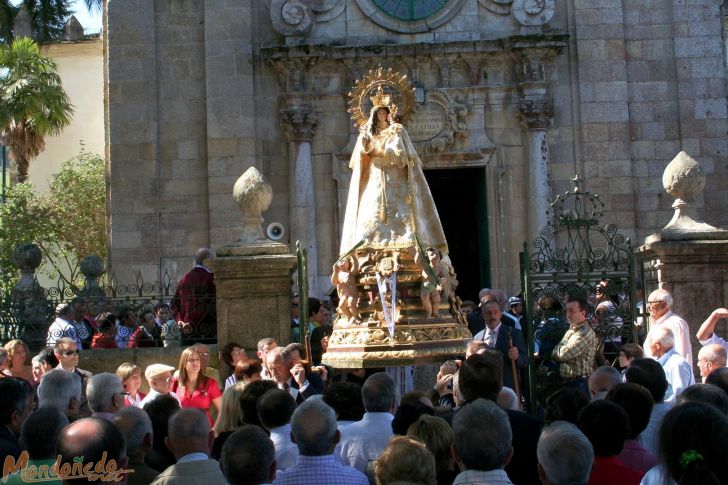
313	429
575	352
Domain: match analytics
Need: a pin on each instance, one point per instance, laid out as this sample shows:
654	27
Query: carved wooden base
417	338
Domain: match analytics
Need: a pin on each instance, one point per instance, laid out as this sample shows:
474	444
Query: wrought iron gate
571	258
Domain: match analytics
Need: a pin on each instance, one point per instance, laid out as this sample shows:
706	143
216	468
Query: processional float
396	286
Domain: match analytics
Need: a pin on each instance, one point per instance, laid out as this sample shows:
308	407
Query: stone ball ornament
27	256
683	177
92	266
252	193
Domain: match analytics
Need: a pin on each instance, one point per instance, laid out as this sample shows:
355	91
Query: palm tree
33	104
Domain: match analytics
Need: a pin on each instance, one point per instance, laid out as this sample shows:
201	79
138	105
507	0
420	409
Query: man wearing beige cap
160	382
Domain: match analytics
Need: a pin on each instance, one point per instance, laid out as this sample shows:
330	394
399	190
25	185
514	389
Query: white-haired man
481	445
564	454
105	394
710	358
61	390
136	426
159	377
679	373
659	304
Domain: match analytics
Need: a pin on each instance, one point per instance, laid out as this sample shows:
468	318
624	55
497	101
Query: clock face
410	9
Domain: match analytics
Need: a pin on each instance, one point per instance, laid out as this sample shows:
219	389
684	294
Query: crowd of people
275	415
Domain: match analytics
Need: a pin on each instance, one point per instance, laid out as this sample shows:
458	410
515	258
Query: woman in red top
194	389
104	338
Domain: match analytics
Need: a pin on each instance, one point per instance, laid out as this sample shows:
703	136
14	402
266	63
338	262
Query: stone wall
196	89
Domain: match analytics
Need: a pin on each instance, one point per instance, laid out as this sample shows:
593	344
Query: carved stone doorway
461	201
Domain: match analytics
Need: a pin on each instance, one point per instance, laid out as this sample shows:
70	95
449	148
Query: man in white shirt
63	326
706	334
659	304
361	442
679	373
159	377
275	409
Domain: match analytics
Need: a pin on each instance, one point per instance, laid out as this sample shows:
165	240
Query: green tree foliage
33	104
47	18
68	223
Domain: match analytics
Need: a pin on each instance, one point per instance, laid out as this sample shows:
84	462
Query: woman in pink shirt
131	378
194	389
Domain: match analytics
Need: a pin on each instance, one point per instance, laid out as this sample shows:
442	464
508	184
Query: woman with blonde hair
18	361
194	389
131	378
437	436
230	417
405	460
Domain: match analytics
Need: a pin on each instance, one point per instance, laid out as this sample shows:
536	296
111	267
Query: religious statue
389	204
388	311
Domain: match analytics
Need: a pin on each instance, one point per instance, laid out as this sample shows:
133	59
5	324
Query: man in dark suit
290	378
194	302
499	334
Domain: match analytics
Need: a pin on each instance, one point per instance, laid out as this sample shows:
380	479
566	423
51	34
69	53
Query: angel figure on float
344	278
438	280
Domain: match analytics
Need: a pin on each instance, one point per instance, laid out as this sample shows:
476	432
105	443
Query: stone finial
73	30
27	292
27	256
684	179
253	195
92	267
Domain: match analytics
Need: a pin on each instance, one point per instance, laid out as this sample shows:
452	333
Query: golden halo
395	83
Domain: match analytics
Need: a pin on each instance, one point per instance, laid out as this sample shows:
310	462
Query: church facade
514	98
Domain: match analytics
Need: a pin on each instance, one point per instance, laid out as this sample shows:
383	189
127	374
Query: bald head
88	439
710	358
189	432
203	254
602	380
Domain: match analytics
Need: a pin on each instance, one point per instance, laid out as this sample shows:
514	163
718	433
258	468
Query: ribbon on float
388	311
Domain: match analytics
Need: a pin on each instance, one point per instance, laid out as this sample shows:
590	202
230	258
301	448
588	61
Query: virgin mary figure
389	205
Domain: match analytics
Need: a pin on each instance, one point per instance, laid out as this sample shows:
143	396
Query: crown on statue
381	98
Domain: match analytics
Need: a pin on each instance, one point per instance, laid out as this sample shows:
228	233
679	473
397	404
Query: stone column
535	116
687	257
28	297
299	123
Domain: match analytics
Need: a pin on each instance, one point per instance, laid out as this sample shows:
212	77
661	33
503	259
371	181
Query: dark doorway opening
461	202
